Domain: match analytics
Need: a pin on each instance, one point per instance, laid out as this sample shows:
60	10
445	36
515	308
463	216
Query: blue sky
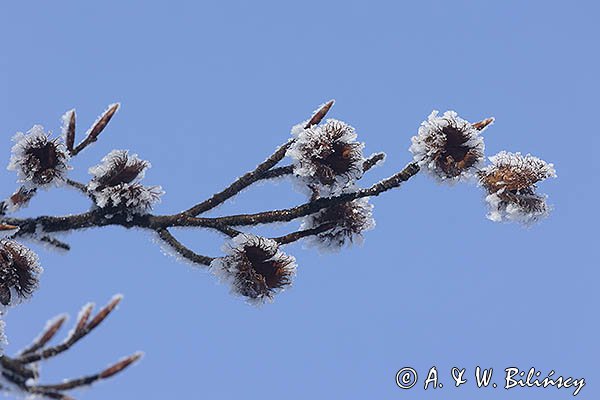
209	89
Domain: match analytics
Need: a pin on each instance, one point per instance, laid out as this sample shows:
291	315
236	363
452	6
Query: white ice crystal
65	121
115	183
8	230
517	210
349	221
510	181
327	156
38	160
448	148
3	340
298	128
523	164
254	267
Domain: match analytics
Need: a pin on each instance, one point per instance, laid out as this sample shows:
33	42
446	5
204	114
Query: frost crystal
510	182
348	221
255	268
3	340
66	121
38	160
327	156
115	183
7	230
448	147
19	271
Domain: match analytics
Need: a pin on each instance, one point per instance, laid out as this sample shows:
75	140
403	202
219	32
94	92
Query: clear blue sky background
208	89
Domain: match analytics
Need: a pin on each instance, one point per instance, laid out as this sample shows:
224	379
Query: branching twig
294	236
182	250
88	380
78	185
96	129
22	370
82	328
328	160
312	207
98	218
241	183
251	177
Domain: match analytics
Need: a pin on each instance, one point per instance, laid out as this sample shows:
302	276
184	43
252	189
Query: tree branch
100	217
96	129
312	207
21	369
181	249
241	183
78	185
294	236
81	330
251	177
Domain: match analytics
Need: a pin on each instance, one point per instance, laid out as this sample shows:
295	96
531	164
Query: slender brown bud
70	130
320	114
104	312
104	119
481	125
120	365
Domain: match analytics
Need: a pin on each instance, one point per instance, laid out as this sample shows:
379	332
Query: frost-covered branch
295	236
20	375
182	250
253	176
326	162
92	134
326	159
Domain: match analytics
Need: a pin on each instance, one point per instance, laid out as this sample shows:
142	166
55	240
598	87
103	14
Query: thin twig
277	172
312	207
47	334
252	176
97	217
241	183
88	380
373	160
182	250
78	185
96	129
294	236
17	372
52	241
73	338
